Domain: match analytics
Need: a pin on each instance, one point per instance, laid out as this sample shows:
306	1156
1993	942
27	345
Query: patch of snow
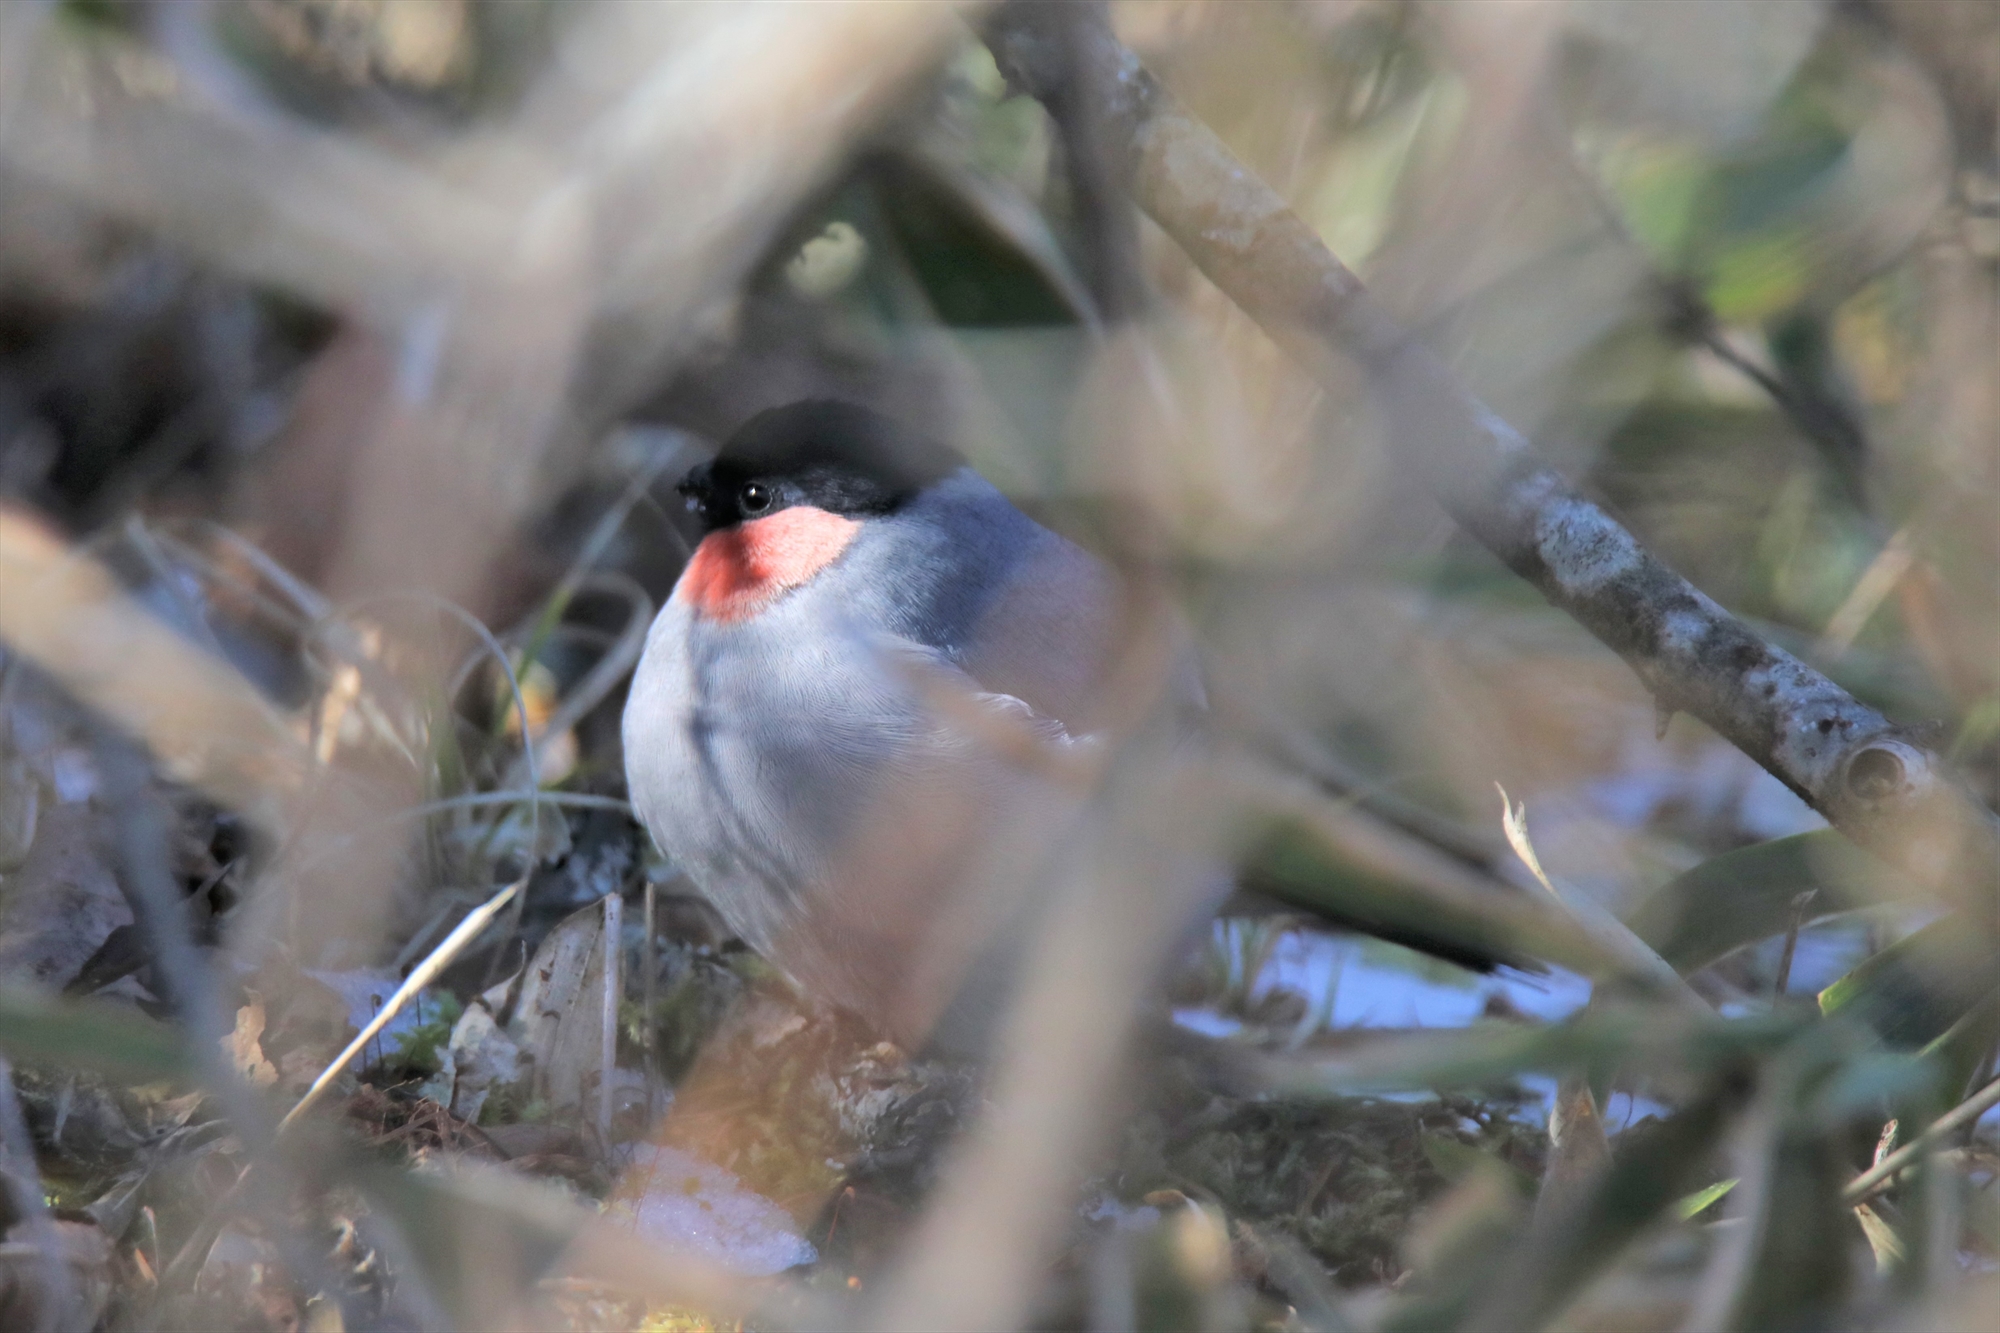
693	1205
1370	987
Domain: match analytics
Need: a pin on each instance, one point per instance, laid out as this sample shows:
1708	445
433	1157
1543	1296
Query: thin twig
614	930
649	989
1881	1175
1798	922
1100	200
1829	425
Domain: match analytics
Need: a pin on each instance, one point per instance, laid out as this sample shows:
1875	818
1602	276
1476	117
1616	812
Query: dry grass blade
464	933
434	301
1579	1153
1876	583
622	211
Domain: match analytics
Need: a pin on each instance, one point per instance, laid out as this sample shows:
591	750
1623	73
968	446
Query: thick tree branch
1865	774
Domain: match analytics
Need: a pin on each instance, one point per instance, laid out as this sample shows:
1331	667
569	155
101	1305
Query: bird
846	722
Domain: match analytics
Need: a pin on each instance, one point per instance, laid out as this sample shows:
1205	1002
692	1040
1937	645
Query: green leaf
1699	1202
90	1035
1867	1084
1961	1053
1762	275
1918	988
1800	1269
980	267
1339	865
1747	895
1489	1054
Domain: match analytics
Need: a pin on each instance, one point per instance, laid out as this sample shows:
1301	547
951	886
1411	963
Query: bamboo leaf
1800	1269
1747	895
1490	1054
1915	990
1699	1202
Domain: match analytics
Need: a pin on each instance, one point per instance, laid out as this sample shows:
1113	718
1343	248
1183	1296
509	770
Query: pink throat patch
738	571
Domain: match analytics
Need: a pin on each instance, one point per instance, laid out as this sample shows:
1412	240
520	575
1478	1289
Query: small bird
824	732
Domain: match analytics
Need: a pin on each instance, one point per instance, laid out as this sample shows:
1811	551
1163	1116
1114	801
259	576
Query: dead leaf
557	1029
483	1058
1578	1150
245	1049
1882	1238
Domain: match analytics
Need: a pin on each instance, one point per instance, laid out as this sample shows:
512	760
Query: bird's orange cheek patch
737	571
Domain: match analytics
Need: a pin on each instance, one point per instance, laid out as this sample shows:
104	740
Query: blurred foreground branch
203	722
523	285
1851	763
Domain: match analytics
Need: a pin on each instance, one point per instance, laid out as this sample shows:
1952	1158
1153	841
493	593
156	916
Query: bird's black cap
836	456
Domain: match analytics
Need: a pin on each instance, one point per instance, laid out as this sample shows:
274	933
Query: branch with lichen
1869	777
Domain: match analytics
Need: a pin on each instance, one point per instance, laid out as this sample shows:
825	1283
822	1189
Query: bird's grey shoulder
1021	609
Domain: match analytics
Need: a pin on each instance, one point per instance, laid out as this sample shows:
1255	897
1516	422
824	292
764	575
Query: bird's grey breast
756	749
749	746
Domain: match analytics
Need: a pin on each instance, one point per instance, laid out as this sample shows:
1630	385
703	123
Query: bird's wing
1051	638
965	711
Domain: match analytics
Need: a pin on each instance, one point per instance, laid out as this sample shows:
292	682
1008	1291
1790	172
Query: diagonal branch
1866	775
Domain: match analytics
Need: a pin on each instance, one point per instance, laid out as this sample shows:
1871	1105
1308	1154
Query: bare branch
1853	765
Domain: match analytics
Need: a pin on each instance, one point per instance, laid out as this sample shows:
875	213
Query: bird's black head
831	455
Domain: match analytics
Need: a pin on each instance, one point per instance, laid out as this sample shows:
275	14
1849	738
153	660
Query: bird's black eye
755	497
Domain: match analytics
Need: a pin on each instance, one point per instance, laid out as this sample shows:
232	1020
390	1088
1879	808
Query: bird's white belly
753	750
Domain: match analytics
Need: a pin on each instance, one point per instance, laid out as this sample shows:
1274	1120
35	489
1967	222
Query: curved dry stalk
1849	762
530	788
613	666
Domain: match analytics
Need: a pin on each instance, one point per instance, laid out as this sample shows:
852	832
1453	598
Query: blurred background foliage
263	359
